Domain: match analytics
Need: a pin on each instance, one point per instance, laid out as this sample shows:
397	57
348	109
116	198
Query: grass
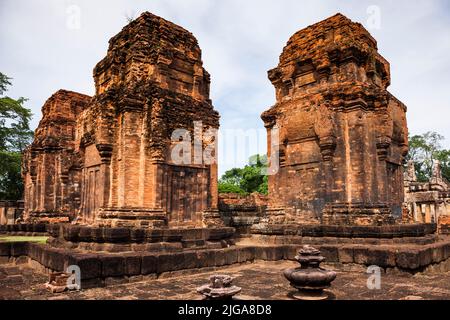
24	239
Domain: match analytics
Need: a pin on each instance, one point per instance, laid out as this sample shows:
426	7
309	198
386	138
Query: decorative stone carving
220	288
324	127
429	201
410	174
436	176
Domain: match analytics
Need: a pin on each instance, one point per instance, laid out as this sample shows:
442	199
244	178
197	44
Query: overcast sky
44	48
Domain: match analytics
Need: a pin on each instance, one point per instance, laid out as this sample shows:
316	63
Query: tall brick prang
342	136
151	83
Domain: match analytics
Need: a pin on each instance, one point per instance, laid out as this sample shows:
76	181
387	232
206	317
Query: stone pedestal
310	279
220	288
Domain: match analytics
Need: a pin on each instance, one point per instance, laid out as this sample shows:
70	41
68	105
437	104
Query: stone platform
320	234
138	240
24	229
126	254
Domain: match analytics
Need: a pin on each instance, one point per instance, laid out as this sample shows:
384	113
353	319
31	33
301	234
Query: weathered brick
89	264
316	129
149	264
170	262
133	263
345	254
5	249
407	259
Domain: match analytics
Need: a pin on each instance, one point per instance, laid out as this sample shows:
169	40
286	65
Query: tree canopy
246	180
15	136
424	150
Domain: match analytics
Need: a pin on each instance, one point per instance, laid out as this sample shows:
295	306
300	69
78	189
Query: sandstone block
116	235
331	253
89	264
113	266
345	254
170	262
246	254
407	259
133	263
149	264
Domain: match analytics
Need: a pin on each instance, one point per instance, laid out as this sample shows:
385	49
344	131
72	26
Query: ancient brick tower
51	167
342	135
121	170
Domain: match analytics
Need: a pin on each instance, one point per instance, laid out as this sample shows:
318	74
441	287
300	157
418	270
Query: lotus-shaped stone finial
309	279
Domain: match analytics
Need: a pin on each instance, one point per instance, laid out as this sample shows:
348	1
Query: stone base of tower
153	219
47	217
333	214
357	215
212	219
280	216
132	218
122	239
327	234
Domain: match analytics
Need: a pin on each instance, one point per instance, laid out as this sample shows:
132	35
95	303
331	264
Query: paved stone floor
260	280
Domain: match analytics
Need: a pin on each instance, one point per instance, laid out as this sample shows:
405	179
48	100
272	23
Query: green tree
225	187
246	180
15	136
424	150
444	157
